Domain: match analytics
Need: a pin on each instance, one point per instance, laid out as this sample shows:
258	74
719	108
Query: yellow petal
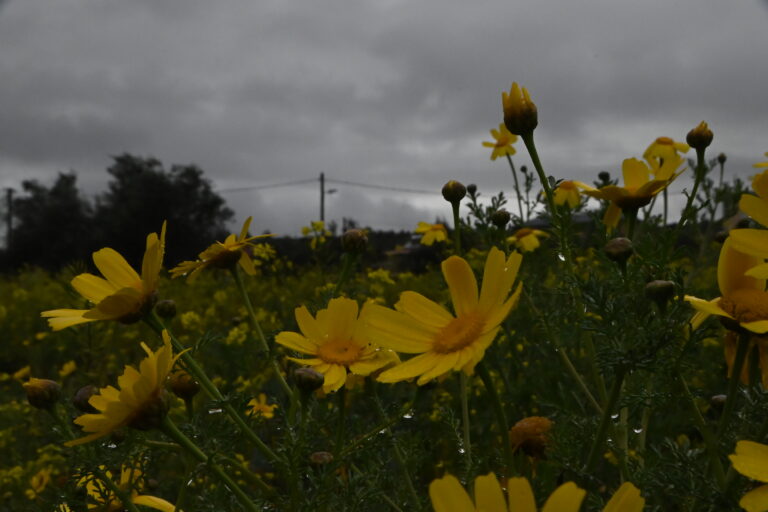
462	285
153	502
448	495
115	269
297	342
335	377
626	499
758	272
308	325
751	460
612	216
755	500
418	306
411	368
755	207
758	327
398	331
520	494
636	173
342	316
488	494
443	364
710	307
92	287
731	267
247	263
566	498
750	241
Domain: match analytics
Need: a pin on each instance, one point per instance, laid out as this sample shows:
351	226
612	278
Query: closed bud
520	114
453	191
721	158
82	398
308	379
524	169
619	249
166	309
183	385
660	292
531	435
321	458
500	218
42	393
354	241
604	176
718	400
700	137
471	189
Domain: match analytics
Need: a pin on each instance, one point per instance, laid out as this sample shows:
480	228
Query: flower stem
341	395
262	339
464	393
517	187
733	384
531	147
172	431
456	228
605	421
349	261
701	168
501	416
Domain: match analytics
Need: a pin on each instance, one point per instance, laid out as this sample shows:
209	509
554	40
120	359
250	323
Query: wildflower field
575	347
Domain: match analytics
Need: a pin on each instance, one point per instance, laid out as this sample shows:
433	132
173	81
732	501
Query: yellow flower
503	145
761	164
122	294
448	495
567	192
226	254
431	233
443	341
754	241
527	239
39	482
665	148
338	340
743	299
751	460
138	403
638	189
130	483
520	114
67	369
260	407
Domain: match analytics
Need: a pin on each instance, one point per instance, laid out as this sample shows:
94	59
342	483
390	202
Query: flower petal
520	494
448	495
751	460
566	498
114	267
462	285
626	499
488	494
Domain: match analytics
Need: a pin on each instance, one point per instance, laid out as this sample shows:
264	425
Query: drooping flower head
448	495
569	192
233	250
751	460
503	145
122	294
527	239
445	341
139	402
639	188
431	233
102	498
338	341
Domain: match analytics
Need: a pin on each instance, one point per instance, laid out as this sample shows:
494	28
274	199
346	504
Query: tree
143	194
52	226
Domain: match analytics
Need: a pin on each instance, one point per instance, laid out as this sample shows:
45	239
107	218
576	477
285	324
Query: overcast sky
383	92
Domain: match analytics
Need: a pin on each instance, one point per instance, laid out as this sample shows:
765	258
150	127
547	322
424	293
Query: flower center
459	333
503	141
336	351
747	305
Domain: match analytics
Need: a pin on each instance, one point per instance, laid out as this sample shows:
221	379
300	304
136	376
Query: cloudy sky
379	92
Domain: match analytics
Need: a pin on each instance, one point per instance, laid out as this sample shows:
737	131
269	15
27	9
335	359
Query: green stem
531	147
341	395
464	393
605	421
262	339
666	205
172	431
212	391
501	416
349	261
733	384
701	169
517	187
631	215
456	228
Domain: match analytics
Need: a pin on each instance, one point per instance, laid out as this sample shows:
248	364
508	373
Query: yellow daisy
754	241
130	479
443	341
503	145
431	233
527	239
139	401
743	300
338	340
122	294
448	495
260	407
638	189
665	148
226	254
569	192
751	460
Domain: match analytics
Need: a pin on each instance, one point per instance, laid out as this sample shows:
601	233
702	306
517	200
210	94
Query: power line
330	180
271	185
381	187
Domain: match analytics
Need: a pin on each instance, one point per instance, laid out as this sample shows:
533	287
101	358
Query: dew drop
638	430
215	411
615	416
560	257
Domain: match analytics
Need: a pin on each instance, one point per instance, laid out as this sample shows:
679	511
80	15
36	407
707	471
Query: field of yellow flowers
557	358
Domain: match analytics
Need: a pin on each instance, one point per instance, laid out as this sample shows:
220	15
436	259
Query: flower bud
718	400
500	218
320	458
721	158
531	435
183	385
354	241
700	137
604	177
660	292
308	379
166	309
471	189
453	191
524	169
520	114
42	393
619	249
82	398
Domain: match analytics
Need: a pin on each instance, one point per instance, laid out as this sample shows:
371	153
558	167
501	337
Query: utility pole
8	218
322	197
